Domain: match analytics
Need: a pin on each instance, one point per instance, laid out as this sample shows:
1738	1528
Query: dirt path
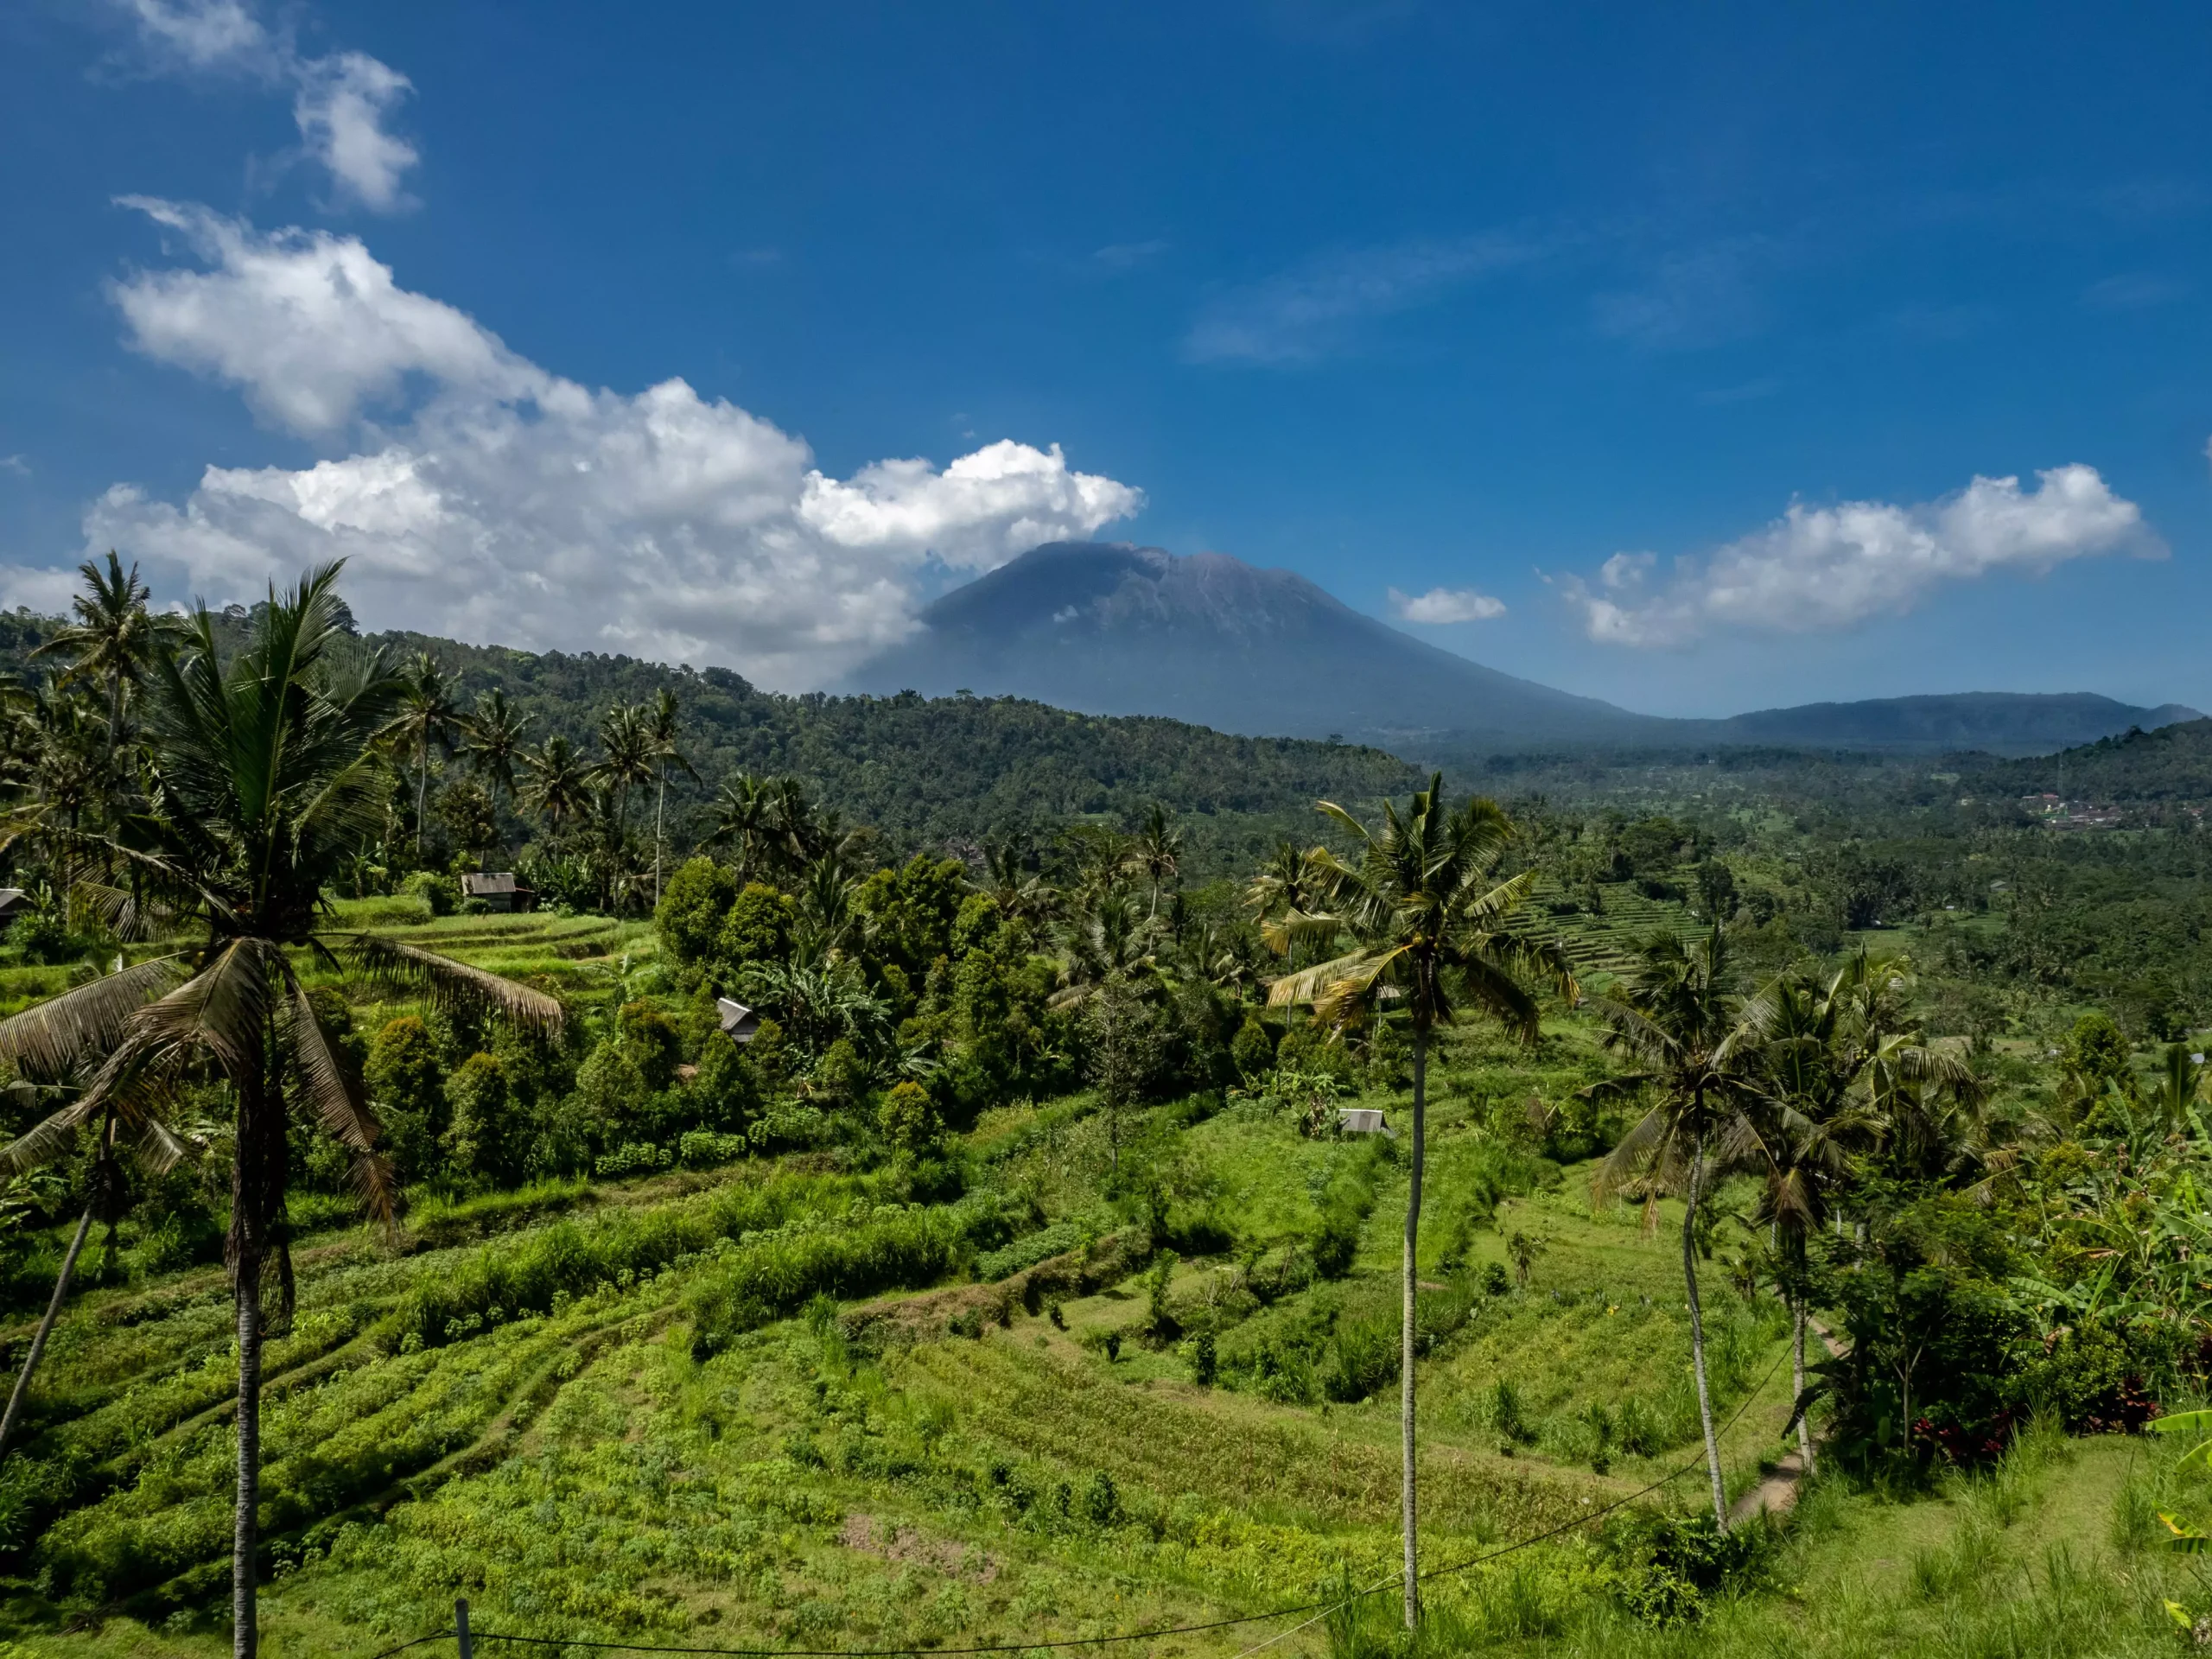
1776	1495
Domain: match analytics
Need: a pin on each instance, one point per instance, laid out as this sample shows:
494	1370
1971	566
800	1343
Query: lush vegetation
1805	1135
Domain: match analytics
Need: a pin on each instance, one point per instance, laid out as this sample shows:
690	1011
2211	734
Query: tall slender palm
559	789
156	1148
1426	924
1676	1021
626	736
661	732
740	810
425	714
1157	851
493	739
269	776
113	639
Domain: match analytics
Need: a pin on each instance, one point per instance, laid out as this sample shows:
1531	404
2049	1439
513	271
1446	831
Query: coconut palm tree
1424	924
1020	893
1677	1022
626	736
269	775
113	640
157	1150
426	714
661	736
493	738
741	820
1156	853
559	788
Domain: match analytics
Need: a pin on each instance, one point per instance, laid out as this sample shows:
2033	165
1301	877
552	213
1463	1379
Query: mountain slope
1113	629
2002	722
1110	629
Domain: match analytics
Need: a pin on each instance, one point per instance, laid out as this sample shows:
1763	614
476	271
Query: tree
269	778
1157	852
559	789
626	736
493	742
661	732
113	640
1426	924
1676	1021
157	1150
427	715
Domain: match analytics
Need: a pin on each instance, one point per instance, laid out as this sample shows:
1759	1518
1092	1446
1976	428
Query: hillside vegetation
781	1240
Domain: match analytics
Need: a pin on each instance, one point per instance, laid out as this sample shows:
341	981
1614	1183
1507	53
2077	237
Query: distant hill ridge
1112	629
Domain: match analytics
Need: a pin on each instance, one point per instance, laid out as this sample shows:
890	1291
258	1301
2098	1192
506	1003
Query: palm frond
50	1041
449	984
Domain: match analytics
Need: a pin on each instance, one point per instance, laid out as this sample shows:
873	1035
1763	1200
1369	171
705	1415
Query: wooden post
460	1626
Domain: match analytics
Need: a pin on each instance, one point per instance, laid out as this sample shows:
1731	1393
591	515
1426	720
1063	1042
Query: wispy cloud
16	464
1310	310
1821	569
2136	291
1442	605
343	104
1690	299
1128	256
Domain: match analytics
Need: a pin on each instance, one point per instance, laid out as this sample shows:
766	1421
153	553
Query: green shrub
406	1085
1252	1049
651	1039
693	907
758	927
440	893
909	1119
725	1092
480	1137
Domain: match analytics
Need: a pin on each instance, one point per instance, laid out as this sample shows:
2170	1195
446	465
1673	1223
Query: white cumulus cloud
1819	568
1446	605
343	104
506	503
308	324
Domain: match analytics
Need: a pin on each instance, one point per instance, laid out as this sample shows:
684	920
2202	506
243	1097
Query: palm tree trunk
660	813
1697	1339
1797	1376
421	794
46	1326
1405	1334
245	1541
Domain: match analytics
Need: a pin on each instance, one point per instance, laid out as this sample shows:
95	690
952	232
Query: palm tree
1426	922
113	639
625	734
269	776
1836	1075
559	789
1019	892
157	1150
1157	852
740	810
426	714
1676	1021
661	734
493	740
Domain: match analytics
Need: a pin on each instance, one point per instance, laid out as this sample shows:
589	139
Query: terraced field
789	1405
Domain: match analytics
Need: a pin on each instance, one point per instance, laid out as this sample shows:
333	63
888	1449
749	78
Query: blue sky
1668	344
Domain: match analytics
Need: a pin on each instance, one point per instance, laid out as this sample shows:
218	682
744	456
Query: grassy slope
578	1472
